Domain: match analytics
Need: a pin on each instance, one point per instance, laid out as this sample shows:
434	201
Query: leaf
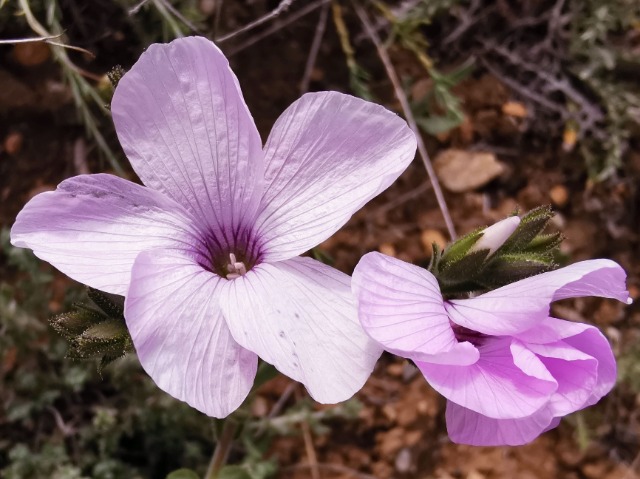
183	474
232	472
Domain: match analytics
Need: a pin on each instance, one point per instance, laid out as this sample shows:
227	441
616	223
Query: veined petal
400	306
519	306
575	371
585	338
468	427
596	277
92	227
182	121
507	382
593	343
182	340
327	155
300	316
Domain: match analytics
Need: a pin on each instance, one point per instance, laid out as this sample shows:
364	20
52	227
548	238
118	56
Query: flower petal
92	227
400	306
327	155
468	427
182	121
300	316
575	372
182	340
584	338
507	382
593	343
519	306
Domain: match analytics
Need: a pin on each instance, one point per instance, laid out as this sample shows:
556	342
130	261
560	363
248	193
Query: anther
235	268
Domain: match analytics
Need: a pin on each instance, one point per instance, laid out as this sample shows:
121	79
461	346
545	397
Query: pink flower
207	253
508	369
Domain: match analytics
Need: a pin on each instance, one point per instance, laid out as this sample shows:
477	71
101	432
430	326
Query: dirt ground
400	432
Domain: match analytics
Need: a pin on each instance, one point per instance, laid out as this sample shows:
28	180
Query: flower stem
221	452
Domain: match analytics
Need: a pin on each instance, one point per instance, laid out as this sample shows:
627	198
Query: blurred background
520	104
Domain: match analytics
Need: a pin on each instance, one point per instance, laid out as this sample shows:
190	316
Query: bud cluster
488	258
96	331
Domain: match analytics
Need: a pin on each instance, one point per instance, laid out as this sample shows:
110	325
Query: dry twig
315	48
406	108
282	7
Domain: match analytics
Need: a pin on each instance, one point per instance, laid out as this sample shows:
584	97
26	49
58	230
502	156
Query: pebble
13	143
461	170
428	237
559	195
388	249
514	108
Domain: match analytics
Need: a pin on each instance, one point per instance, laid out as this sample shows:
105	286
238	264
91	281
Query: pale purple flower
509	370
207	253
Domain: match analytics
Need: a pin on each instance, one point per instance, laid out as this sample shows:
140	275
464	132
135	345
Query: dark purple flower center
464	334
230	255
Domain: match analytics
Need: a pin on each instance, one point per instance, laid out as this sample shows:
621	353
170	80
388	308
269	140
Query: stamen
235	268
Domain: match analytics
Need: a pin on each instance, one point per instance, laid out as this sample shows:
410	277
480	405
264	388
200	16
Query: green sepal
108	339
456	251
95	331
115	75
510	268
545	244
531	225
113	306
464	269
71	324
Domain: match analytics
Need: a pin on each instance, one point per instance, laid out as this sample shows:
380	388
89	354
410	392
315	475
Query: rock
13	143
559	195
388	249
514	108
31	53
403	461
461	170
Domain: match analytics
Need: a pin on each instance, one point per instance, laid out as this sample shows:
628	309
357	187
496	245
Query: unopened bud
495	235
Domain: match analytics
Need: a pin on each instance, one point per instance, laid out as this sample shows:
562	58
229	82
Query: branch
406	108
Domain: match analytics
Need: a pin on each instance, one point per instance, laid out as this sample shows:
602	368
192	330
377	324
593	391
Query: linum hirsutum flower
509	370
207	253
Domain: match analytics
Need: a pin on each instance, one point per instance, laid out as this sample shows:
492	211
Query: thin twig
275	28
136	9
176	13
13	41
310	450
406	108
282	6
315	48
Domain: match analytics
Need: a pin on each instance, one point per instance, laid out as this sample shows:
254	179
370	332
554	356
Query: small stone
395	369
428	237
13	143
461	170
595	470
260	406
31	54
207	7
403	460
559	195
514	108
473	474
388	249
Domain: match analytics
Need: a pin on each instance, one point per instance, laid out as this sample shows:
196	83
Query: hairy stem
221	452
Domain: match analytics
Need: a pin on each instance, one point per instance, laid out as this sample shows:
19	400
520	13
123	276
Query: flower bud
495	235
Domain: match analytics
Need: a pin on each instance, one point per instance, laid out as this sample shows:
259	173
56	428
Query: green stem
221	452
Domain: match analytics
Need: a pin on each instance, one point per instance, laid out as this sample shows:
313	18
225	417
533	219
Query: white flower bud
495	235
